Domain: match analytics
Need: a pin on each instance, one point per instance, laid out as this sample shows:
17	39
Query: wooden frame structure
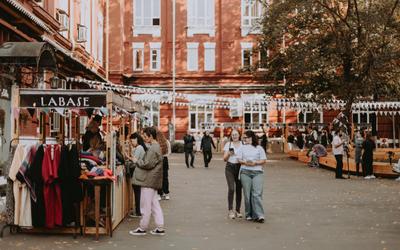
82	99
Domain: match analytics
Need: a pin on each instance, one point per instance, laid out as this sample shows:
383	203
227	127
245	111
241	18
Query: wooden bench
382	169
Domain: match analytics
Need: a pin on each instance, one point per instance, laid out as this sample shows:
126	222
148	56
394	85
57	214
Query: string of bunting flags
248	102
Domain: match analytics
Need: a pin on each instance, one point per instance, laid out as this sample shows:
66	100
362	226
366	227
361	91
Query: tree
324	49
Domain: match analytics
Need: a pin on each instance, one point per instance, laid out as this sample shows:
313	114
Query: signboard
62	99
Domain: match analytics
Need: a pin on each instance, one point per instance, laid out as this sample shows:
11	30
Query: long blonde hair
163	142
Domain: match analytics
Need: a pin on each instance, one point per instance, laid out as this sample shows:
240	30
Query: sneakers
158	231
238	215
231	214
249	218
134	215
138	232
398	179
158	197
369	177
166	197
260	220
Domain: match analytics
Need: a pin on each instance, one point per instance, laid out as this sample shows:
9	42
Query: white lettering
78	104
61	101
52	102
42	102
70	103
86	101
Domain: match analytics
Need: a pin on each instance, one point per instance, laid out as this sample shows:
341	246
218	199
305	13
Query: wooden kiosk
44	100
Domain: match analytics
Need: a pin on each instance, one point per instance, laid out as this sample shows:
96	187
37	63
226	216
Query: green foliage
177	147
348	49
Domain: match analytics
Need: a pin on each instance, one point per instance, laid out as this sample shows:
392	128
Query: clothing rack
33	98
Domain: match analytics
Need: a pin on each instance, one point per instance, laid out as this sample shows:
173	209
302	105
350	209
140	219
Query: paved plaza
306	208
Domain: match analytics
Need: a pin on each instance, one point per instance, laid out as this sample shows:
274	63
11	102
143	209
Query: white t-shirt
250	153
233	158
337	150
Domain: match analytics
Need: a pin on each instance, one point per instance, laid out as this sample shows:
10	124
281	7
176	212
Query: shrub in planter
177	147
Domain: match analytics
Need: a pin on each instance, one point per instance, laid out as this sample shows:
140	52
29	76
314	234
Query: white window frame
247	47
55	122
155	47
208	27
321	116
199	110
153	111
368	113
194	49
209	56
100	40
259	59
139	28
262	110
138	47
247	29
86	21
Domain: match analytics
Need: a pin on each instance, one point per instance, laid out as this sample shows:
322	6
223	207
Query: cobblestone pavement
305	208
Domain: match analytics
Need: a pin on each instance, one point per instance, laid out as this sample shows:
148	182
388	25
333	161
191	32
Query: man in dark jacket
205	146
188	140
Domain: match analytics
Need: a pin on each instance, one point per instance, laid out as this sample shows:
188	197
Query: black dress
34	173
368	156
71	190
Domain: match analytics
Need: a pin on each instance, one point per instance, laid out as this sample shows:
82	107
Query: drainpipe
173	68
219	43
107	38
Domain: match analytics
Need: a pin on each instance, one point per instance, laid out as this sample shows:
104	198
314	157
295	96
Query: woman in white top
252	157
231	149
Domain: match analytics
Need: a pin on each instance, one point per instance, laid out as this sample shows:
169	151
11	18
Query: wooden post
221	138
15	115
109	128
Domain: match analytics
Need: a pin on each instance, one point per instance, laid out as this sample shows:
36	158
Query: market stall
95	188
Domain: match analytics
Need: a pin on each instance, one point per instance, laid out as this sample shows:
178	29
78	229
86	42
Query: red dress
51	190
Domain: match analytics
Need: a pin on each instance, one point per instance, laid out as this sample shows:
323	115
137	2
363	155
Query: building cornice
29	14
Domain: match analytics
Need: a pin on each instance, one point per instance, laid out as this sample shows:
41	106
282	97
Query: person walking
358	142
264	139
338	150
138	151
166	151
188	140
252	157
368	147
231	149
205	146
148	175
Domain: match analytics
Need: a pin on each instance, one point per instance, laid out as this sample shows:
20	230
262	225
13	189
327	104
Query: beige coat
149	170
22	198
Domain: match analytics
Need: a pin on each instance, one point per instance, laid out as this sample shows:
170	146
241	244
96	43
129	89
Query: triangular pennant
60	111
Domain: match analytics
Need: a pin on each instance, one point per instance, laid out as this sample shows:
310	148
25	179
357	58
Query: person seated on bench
396	169
291	141
317	151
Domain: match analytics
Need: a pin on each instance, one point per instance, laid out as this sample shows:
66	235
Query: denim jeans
252	183
234	184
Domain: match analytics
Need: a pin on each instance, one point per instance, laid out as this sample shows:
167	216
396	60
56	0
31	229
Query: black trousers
234	184
165	181
368	165
136	192
187	153
339	165
207	157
